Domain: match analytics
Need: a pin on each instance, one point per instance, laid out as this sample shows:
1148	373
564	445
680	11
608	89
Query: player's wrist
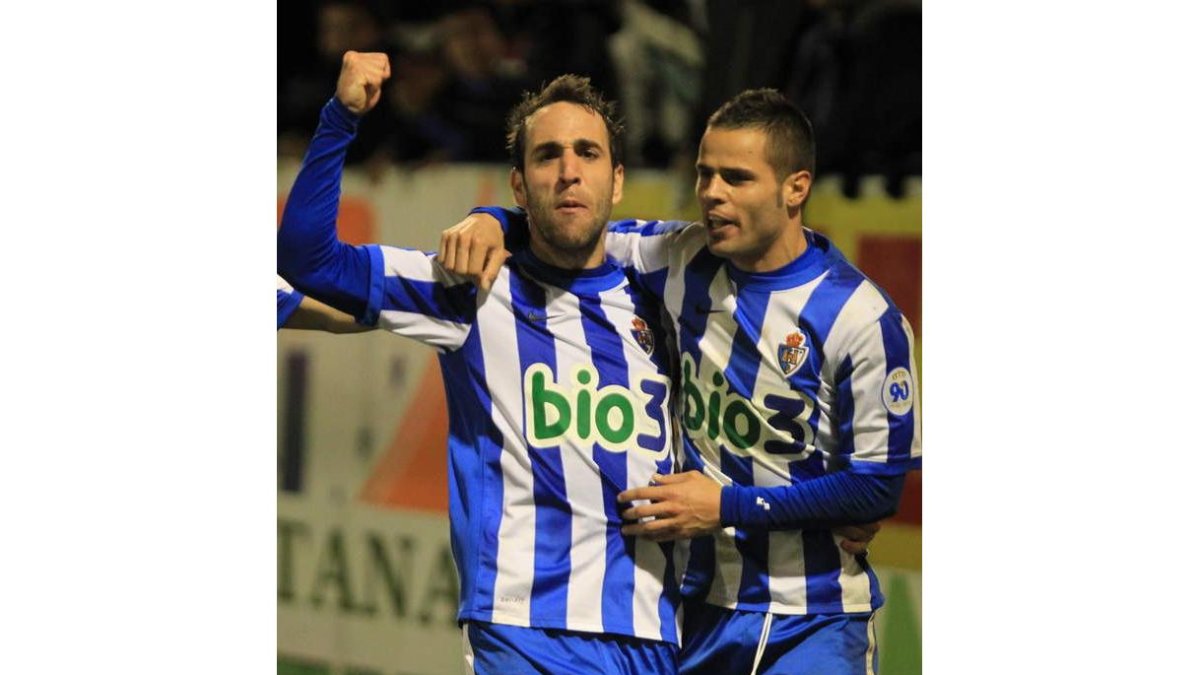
341	117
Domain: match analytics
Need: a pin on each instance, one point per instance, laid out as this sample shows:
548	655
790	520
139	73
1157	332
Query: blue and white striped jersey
786	376
557	389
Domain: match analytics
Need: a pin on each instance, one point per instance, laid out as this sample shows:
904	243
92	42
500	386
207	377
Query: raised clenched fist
361	80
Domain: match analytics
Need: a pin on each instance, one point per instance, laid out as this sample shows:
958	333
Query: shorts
720	640
497	649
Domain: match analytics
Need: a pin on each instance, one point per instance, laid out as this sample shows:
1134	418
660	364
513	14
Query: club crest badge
792	352
643	335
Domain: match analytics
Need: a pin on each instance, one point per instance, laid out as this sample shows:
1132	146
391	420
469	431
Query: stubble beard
571	244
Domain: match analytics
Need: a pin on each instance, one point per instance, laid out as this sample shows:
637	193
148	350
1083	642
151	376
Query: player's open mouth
715	222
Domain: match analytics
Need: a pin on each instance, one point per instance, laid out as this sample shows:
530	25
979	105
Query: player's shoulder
864	301
650	228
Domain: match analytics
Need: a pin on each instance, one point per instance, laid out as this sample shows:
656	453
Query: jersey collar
808	266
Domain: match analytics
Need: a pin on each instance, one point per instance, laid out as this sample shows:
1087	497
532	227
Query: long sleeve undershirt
309	254
842	498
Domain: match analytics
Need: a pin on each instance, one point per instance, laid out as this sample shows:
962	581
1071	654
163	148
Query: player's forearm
309	253
841	498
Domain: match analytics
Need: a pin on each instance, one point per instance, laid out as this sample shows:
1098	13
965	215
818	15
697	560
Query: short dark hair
790	143
568	89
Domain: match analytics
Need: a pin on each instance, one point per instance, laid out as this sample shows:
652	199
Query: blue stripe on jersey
751	545
817	318
825	304
872	580
693	315
822	567
900	428
698	276
473	441
608	356
450	303
845	413
740	375
654	283
552	543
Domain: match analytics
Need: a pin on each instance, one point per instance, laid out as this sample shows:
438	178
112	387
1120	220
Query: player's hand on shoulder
474	248
360	83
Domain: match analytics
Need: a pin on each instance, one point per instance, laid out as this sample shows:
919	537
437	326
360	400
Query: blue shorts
497	649
719	640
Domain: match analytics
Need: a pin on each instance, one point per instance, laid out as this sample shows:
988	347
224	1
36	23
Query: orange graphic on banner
412	473
355	223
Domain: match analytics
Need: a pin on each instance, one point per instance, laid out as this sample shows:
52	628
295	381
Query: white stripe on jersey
855	583
727	572
625	247
515	539
785	555
869	667
419	266
580	476
651	563
468	651
431	271
860	314
439	332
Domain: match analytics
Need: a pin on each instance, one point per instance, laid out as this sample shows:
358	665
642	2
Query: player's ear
516	181
618	183
796	188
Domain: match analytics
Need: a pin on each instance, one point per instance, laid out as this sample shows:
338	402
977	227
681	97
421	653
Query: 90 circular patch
898	391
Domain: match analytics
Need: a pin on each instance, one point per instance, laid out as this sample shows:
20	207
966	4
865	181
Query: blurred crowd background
854	66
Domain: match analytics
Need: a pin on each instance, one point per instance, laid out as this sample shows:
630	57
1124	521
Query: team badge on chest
792	352
643	335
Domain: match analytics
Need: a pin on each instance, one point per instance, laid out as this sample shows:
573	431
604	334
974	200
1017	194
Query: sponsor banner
367	589
373	590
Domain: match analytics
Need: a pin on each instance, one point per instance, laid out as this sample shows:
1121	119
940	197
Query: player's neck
789	245
566	259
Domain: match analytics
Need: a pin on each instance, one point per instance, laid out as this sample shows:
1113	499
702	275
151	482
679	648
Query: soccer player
801	405
557	382
297	311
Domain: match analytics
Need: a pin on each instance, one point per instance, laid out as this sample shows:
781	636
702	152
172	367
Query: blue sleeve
840	498
285	305
512	223
309	254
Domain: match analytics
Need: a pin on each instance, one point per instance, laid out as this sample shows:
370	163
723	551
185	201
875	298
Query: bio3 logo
778	421
616	418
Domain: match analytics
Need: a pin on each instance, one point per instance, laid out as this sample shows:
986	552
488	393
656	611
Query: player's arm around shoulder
649	246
